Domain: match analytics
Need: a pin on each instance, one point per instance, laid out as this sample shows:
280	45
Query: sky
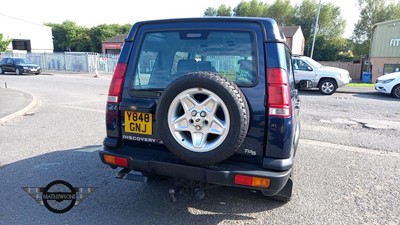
92	13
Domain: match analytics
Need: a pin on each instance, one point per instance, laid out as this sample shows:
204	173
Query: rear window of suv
165	56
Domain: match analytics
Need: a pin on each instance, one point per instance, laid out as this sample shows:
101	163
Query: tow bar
181	185
184	186
131	176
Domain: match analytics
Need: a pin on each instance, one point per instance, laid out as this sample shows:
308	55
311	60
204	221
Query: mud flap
285	194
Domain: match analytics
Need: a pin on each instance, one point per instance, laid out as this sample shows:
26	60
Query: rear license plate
138	123
33	70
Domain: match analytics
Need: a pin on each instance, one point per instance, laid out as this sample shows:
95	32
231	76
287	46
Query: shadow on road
310	92
115	201
26	74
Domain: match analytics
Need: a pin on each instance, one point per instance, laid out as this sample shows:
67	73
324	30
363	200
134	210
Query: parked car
18	66
389	84
210	100
327	79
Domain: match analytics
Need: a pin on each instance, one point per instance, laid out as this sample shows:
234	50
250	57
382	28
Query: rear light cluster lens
115	90
278	93
252	181
117	161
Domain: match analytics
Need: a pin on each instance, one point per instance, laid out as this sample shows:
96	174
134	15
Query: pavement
355	90
14	103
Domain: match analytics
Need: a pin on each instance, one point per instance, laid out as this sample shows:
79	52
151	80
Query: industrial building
26	36
385	48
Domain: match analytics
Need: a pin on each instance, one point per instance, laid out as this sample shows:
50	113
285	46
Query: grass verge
360	85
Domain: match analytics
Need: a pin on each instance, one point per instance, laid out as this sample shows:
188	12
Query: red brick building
113	45
294	38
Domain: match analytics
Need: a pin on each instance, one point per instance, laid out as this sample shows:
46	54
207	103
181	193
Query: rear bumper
164	163
31	71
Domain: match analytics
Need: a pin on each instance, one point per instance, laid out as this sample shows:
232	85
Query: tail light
115	90
117	161
278	93
252	181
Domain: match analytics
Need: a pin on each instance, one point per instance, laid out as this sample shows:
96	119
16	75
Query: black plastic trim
221	174
277	164
110	142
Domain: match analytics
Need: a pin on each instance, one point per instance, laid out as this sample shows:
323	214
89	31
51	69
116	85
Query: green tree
64	35
103	32
282	11
253	8
124	29
331	24
372	12
68	36
3	43
305	17
82	42
224	10
210	11
331	49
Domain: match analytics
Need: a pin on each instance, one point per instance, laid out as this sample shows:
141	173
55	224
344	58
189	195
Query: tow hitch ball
198	194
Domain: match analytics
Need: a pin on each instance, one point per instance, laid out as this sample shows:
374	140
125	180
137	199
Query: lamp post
316	27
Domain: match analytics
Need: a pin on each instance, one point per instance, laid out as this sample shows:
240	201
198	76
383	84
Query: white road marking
89	149
85	109
339	147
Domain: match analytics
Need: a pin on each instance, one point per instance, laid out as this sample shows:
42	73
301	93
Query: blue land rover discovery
212	100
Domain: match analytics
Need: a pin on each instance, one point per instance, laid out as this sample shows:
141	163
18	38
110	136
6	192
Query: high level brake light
278	93
115	90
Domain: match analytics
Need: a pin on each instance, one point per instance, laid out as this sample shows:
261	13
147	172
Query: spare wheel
202	118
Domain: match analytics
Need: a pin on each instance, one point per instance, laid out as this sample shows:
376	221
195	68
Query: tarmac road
341	175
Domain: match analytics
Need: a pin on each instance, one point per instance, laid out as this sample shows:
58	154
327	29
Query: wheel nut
198	127
203	114
194	113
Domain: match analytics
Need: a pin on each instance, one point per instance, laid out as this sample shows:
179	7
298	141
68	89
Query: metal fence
87	62
83	62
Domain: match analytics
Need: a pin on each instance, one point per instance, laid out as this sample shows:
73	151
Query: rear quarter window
166	55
